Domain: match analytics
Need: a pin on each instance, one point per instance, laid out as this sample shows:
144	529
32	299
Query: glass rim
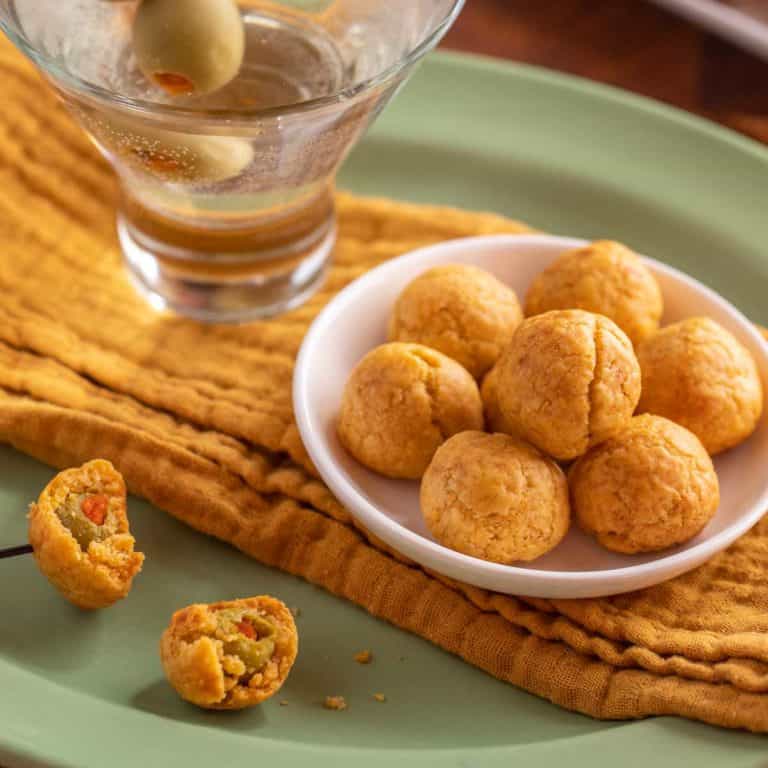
81	86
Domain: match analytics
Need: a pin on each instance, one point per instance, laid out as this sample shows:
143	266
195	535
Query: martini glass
227	211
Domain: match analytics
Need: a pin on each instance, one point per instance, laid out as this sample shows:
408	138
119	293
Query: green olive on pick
173	156
250	637
189	47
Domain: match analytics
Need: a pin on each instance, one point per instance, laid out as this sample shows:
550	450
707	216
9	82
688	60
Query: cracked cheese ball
568	380
602	277
79	532
460	310
402	401
495	497
494	418
649	487
229	655
699	375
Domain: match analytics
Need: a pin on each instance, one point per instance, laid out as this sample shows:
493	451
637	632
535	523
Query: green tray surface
562	154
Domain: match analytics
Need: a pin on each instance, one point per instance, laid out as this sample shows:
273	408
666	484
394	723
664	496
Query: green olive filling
248	636
79	525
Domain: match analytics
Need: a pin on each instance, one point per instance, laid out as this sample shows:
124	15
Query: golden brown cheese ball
229	655
649	487
494	418
495	497
402	401
602	277
699	375
460	310
79	533
568	380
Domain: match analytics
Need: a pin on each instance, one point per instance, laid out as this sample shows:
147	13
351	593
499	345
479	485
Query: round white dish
356	321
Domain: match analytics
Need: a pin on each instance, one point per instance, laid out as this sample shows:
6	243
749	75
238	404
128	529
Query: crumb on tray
335	702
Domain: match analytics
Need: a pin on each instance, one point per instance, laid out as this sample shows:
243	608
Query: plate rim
602	91
433	555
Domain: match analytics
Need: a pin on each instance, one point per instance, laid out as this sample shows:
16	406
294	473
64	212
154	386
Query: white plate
355	322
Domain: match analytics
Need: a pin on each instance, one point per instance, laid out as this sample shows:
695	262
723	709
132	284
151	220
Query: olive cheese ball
190	48
495	497
697	374
402	401
603	277
229	655
649	487
568	380
460	310
79	532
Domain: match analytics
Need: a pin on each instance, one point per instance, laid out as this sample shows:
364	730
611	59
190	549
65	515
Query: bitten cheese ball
603	277
402	401
79	532
495	497
229	655
494	418
460	310
568	380
697	374
649	487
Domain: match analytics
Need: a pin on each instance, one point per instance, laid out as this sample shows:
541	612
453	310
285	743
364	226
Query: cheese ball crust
494	418
568	380
460	310
495	497
649	487
606	278
698	375
199	662
101	572
402	401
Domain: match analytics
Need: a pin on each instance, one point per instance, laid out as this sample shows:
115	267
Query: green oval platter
567	156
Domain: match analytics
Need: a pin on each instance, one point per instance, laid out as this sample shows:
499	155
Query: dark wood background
632	44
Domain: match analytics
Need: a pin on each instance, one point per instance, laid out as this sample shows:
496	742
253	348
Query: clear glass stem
230	274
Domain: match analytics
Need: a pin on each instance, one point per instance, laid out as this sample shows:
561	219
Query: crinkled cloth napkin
199	420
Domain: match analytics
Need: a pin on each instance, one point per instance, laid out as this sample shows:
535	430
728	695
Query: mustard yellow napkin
199	420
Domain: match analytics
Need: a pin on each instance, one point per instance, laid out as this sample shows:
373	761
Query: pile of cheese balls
559	392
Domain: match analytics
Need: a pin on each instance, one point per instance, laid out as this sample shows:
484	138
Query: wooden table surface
632	44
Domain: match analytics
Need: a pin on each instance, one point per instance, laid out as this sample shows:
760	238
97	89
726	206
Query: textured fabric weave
199	420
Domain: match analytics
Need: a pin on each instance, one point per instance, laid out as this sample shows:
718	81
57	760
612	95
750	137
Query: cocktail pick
24	549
